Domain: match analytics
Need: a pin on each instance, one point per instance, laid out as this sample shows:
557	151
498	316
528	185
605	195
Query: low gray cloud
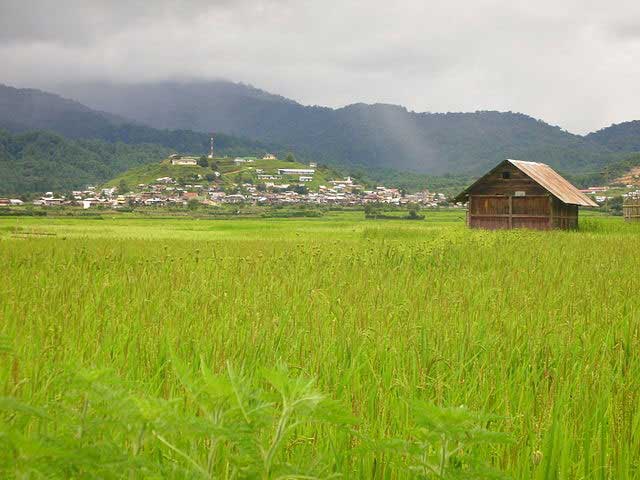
571	63
627	29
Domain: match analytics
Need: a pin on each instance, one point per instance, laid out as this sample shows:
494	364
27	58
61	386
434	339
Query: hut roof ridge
555	183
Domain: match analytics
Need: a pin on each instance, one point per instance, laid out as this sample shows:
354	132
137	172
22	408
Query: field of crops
312	348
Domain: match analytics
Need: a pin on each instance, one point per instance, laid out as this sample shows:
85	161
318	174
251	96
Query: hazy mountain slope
196	106
624	137
23	110
28	109
382	136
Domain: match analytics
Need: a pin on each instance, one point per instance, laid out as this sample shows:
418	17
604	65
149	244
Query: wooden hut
518	194
631	210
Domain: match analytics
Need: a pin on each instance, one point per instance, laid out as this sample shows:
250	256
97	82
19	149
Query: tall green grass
113	325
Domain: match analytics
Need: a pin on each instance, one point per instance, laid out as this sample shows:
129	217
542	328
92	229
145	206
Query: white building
346	182
296	171
191	161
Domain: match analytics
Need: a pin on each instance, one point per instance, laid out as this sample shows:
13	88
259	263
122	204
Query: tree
371	210
413	211
301	189
69	196
289	157
123	187
614	205
203	162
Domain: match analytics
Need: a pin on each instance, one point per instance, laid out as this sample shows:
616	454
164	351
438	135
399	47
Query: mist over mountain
51	143
29	109
378	135
23	110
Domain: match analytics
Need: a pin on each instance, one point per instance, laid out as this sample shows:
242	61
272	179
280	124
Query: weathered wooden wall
631	210
494	184
564	216
517	201
540	212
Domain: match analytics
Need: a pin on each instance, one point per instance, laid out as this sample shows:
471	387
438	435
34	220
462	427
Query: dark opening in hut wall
631	210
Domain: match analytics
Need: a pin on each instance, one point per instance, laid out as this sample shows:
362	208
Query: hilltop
226	172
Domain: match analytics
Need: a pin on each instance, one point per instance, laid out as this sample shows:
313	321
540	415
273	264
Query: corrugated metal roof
551	180
547	178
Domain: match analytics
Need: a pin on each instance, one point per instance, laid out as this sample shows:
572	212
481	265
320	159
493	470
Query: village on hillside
184	180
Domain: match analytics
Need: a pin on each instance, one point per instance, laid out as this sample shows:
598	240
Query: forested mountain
41	161
380	136
623	137
23	110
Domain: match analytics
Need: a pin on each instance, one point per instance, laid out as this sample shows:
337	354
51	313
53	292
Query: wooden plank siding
631	210
494	184
564	216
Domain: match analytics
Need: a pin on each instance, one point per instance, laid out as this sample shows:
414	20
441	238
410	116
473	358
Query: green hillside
148	173
230	173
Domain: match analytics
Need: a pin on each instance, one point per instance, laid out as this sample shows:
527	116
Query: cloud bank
573	63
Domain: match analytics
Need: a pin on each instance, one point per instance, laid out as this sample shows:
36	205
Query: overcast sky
573	63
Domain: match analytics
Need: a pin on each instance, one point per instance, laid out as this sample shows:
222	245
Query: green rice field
331	347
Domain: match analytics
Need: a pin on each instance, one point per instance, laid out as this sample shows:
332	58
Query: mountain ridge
365	135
